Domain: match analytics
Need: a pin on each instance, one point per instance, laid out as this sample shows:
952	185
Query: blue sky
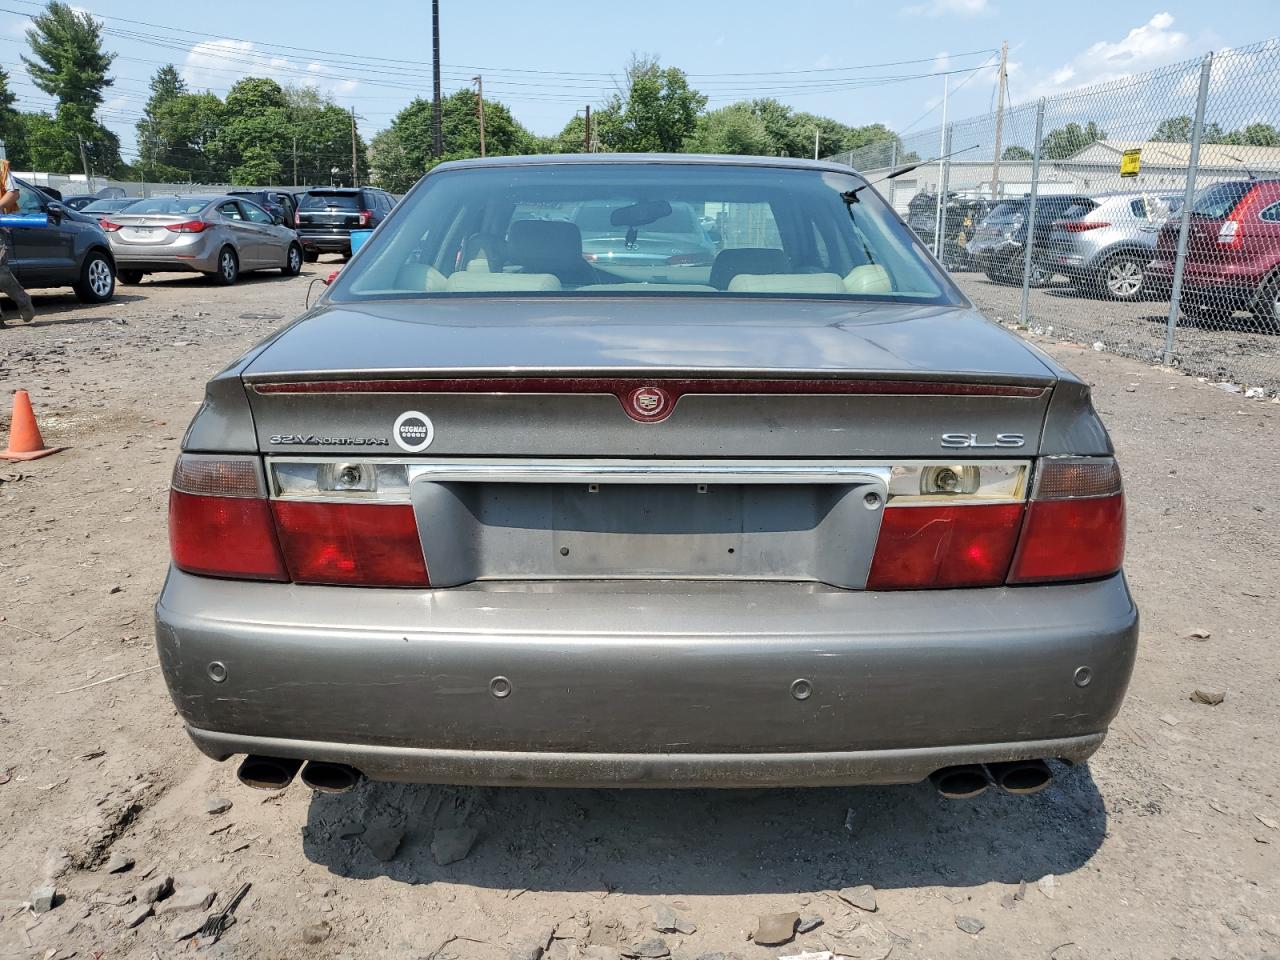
548	60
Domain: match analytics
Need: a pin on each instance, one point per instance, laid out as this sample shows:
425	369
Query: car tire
1004	279
228	271
292	261
1122	278
311	256
97	283
1266	306
129	276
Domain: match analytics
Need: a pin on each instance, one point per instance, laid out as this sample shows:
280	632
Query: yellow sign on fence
1130	162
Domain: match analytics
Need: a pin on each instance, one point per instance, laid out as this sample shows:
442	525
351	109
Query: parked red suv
1233	252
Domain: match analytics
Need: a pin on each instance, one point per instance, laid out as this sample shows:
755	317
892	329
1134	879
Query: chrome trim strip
612	471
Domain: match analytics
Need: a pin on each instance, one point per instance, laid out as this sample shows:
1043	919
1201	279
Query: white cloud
940	8
1154	44
214	64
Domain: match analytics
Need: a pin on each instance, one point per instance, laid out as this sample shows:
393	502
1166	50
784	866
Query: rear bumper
646	683
326	242
505	768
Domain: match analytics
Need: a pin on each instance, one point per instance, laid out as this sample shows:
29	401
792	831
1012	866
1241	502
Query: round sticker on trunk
413	431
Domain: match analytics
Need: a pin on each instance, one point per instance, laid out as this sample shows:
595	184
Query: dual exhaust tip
1021	777
276	773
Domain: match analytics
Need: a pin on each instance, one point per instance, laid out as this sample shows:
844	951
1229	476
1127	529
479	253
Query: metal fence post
1031	215
1193	167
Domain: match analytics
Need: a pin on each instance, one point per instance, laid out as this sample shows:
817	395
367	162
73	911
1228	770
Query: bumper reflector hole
217	671
1083	676
500	687
802	689
564	551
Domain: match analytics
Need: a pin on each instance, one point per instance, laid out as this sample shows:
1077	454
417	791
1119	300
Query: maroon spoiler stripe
621	387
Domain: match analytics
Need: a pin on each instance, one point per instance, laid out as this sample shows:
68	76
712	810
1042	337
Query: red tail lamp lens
223	537
109	226
360	544
945	546
1071	540
1075	523
189	226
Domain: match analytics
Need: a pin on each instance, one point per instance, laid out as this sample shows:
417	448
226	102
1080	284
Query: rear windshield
617	229
1220	199
1009	211
106	206
179	205
1079	209
330	201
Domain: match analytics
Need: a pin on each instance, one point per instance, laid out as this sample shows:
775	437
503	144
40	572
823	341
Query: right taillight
219	519
1074	525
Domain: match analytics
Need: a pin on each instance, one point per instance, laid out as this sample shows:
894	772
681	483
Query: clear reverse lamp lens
349	477
950	479
928	483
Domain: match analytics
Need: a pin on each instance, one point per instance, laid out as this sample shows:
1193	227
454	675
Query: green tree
159	144
1179	130
735	129
1254	135
1069	140
402	153
657	112
320	139
1015	152
10	119
69	64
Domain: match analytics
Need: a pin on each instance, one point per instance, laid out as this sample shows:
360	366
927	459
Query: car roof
623	158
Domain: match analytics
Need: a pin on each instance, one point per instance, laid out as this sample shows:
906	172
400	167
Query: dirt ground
1167	845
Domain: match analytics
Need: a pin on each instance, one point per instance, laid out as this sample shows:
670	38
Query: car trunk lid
557	378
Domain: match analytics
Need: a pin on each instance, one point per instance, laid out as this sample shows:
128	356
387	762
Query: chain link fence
1141	216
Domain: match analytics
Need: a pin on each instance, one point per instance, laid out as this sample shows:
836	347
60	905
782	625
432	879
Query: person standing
8	282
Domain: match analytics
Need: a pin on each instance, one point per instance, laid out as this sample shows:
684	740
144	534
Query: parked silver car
800	515
218	236
1103	244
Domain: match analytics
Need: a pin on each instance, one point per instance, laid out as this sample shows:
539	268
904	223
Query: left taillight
220	520
110	226
366	218
349	524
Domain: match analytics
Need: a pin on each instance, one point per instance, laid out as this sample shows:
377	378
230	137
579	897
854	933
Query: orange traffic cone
25	442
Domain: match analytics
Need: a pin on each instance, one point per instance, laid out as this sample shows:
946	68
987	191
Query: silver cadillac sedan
493	513
221	237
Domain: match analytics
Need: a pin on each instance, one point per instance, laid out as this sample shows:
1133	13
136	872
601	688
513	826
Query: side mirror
55	210
278	219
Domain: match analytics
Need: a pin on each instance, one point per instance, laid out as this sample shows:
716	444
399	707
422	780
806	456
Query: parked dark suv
327	215
278	203
962	216
1233	252
71	251
998	248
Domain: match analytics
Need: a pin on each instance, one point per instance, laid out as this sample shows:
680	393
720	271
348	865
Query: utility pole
355	174
942	152
437	134
479	82
586	136
295	161
817	138
84	161
1000	83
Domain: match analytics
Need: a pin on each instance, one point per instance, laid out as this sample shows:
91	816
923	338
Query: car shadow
660	842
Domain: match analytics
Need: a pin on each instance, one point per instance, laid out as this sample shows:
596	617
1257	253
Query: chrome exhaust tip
267	773
961	782
330	777
1021	777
